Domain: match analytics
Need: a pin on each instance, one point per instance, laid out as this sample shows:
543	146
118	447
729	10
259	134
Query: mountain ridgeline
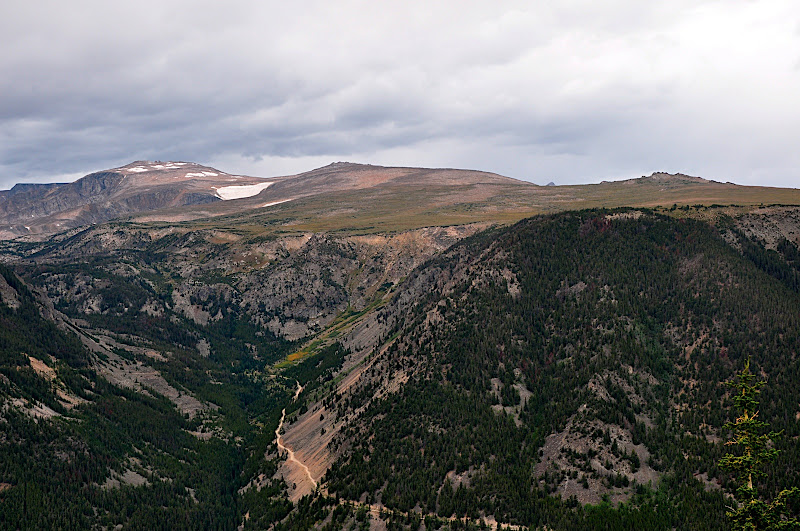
303	365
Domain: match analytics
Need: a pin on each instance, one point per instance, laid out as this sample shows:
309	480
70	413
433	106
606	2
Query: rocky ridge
142	186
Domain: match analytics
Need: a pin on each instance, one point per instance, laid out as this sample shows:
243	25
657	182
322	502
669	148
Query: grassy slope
395	208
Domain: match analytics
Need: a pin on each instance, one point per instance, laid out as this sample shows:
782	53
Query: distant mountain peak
140	186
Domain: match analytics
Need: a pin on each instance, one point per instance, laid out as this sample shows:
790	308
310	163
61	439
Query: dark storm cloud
575	92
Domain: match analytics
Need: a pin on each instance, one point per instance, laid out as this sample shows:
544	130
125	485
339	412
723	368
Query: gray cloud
578	92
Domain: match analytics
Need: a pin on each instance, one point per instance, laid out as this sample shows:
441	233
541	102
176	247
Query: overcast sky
564	91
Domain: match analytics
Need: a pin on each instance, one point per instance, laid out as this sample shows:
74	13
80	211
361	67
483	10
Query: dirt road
289	452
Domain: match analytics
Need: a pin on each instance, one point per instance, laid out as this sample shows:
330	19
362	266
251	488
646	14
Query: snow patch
138	169
167	166
274	203
239	192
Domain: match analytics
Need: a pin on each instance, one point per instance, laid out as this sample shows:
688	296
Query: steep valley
453	366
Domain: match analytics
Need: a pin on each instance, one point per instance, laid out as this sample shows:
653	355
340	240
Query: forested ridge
56	469
618	330
566	372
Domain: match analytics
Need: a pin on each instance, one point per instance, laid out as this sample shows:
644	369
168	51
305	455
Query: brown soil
48	373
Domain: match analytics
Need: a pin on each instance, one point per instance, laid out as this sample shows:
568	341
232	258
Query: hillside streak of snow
265	205
239	192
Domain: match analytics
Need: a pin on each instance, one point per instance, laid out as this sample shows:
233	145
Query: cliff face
293	286
25	202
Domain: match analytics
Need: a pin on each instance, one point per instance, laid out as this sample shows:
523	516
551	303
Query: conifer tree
756	450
